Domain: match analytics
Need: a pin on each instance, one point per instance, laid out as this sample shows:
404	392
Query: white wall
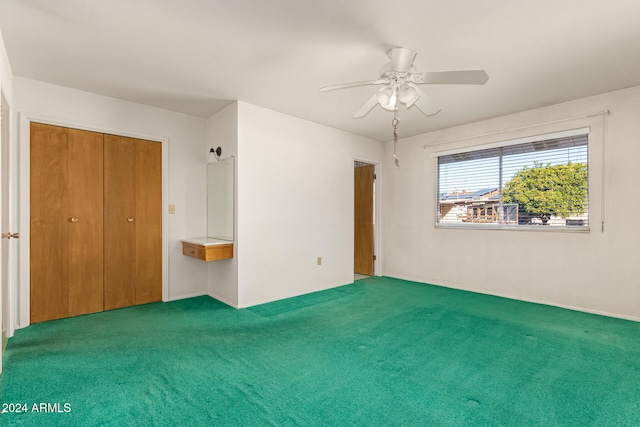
596	271
183	163
6	76
295	203
294	190
222	131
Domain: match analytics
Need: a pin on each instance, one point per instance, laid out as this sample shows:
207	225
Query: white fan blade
425	104
401	59
354	84
465	77
372	102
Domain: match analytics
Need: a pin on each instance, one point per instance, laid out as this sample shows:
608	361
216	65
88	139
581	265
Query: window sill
532	228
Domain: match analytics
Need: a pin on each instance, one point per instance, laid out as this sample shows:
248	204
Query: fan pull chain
394	123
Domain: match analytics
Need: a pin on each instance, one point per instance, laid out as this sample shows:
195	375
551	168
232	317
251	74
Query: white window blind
540	182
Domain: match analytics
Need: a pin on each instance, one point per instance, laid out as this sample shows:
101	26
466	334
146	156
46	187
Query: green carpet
290	304
385	353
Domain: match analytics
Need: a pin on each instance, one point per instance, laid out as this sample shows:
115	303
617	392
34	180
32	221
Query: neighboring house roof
469	196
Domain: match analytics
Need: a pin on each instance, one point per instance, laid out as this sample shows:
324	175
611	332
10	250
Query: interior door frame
377	207
8	220
24	136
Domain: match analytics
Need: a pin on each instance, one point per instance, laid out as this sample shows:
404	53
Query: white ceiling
197	56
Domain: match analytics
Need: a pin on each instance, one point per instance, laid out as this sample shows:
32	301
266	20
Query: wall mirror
220	199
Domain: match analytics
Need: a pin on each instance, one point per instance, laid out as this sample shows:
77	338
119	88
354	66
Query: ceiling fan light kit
408	95
387	97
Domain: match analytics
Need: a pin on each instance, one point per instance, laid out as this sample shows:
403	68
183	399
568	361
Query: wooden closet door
148	221
133	221
49	223
85	245
66	222
119	222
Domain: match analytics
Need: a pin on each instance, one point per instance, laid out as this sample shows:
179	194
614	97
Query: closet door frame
25	119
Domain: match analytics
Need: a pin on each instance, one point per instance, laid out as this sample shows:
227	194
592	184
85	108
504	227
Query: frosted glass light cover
407	95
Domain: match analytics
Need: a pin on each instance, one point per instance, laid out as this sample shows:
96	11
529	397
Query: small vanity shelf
208	249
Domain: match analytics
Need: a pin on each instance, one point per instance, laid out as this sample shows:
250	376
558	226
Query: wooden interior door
49	222
85	242
119	222
66	222
363	218
132	221
148	221
96	222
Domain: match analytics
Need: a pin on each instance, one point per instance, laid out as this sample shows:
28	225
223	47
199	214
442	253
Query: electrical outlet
172	209
319	261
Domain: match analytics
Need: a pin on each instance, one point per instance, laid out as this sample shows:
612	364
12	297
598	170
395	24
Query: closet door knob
73	219
129	219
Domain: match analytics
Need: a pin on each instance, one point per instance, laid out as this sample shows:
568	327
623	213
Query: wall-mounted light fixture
214	155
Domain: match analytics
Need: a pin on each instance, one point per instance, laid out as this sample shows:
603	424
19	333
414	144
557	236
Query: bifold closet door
85	222
132	221
66	222
149	224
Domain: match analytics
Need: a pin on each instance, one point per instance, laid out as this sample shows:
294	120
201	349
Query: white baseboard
223	300
179	297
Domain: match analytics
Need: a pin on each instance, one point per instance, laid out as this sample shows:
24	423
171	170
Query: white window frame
511	142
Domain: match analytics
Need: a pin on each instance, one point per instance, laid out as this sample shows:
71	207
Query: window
532	182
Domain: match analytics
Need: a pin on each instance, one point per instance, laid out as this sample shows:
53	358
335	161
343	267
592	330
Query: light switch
172	209
319	261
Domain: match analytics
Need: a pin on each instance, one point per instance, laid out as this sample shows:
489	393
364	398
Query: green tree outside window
543	191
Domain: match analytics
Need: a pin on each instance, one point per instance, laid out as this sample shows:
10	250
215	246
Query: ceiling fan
399	79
